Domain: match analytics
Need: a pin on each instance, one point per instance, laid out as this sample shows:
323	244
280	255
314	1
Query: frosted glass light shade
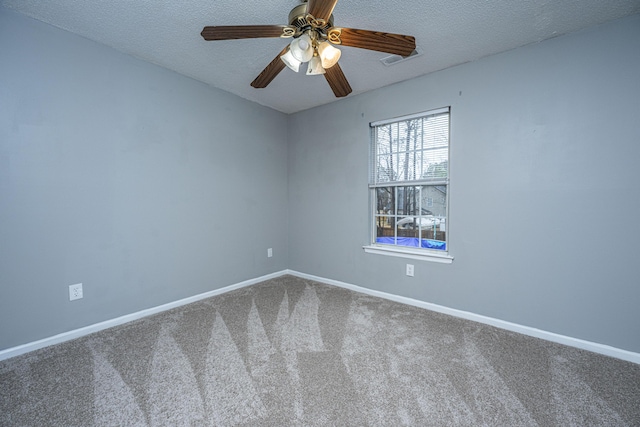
291	61
328	54
301	48
315	67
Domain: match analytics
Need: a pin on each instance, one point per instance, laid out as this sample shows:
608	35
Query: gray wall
149	187
144	185
538	135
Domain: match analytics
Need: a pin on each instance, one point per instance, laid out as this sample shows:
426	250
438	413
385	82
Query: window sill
421	255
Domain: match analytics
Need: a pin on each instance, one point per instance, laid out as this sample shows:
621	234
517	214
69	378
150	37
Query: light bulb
315	67
301	48
291	61
328	54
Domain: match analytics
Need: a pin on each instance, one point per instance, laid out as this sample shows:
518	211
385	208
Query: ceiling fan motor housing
298	19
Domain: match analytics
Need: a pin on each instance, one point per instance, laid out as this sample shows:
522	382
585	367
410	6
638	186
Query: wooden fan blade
270	72
338	82
233	32
321	9
396	44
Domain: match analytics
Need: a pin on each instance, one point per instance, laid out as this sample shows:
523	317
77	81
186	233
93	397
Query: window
409	184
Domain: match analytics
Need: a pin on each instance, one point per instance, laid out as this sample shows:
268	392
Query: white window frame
424	254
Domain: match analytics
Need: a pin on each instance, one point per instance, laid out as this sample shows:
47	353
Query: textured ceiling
167	33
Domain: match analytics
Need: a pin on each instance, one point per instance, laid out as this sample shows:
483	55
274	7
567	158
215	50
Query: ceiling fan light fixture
315	67
312	34
301	48
329	55
290	61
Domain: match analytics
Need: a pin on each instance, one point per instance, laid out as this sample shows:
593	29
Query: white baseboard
77	333
514	327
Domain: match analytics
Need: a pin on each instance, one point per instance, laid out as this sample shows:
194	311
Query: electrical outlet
410	270
75	291
269	253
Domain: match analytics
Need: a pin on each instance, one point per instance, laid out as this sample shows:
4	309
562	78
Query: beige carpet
293	352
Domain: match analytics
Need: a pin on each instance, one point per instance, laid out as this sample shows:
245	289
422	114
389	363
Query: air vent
395	59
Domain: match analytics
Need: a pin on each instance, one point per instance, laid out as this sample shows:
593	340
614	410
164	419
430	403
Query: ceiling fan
314	36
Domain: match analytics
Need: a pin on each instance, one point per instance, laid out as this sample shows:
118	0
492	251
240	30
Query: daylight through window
409	179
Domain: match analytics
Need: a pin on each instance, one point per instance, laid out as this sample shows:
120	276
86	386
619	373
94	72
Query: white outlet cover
269	252
75	291
410	270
